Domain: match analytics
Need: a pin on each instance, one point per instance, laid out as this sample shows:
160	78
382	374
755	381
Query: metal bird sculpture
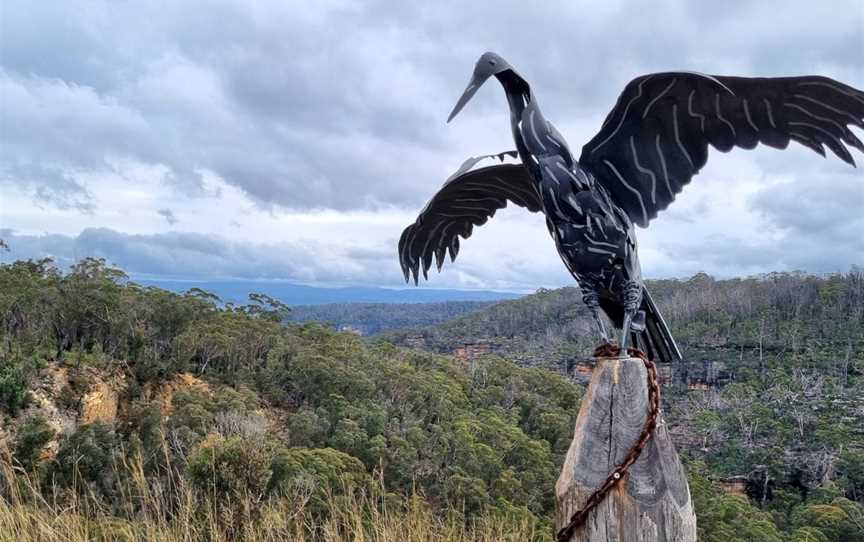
651	144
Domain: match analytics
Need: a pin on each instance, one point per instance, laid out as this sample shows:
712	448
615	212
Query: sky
295	140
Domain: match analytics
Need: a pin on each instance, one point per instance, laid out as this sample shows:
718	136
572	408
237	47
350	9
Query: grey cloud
168	215
813	223
49	184
342	105
726	256
188	255
195	256
300	115
818	207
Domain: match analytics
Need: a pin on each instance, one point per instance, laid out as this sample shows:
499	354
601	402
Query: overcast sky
295	140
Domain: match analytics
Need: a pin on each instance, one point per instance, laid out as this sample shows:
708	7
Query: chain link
579	517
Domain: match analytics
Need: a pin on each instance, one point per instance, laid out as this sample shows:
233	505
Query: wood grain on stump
652	502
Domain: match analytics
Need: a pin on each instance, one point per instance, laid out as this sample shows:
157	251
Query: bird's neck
518	97
517	89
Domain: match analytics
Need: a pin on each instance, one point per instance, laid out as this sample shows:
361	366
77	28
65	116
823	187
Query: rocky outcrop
68	398
43	402
735	485
470	351
101	401
164	392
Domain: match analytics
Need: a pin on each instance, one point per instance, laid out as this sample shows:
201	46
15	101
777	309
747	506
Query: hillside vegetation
821	317
286	411
770	396
136	413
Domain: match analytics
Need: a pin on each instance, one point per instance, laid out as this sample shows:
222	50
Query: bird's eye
491	62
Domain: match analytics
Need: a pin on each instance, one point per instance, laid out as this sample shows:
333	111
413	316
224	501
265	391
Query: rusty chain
579	517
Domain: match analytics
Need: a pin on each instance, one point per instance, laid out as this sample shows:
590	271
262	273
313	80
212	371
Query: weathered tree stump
652	501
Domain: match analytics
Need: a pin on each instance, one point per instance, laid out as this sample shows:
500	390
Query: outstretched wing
468	198
656	137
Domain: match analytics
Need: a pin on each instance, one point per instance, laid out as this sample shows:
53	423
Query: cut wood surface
652	502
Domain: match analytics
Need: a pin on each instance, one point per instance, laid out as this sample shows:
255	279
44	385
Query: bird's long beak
475	83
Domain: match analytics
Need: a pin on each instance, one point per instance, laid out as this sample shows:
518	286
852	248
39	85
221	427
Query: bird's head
488	65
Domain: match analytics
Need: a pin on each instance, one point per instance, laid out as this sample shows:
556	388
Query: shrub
231	467
33	435
307	428
13	388
85	456
319	472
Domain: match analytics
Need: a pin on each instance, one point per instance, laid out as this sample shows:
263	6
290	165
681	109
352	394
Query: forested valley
134	413
375	318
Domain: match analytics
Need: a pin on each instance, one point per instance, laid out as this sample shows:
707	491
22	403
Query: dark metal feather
671	119
469	198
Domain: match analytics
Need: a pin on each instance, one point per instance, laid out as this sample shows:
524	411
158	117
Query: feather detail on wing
468	198
656	137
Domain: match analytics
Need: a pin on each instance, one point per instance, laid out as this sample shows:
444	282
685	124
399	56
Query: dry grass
146	510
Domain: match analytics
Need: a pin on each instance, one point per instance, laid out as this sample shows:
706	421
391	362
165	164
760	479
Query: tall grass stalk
166	509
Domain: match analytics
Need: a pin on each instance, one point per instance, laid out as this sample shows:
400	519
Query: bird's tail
655	338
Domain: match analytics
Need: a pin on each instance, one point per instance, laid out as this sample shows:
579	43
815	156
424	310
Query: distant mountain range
237	291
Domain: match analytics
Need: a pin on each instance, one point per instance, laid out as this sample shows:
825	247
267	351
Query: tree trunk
651	503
